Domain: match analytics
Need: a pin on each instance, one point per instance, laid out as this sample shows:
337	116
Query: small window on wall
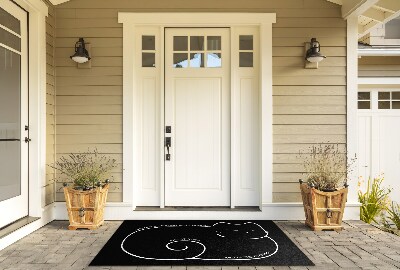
246	51
148	51
364	100
389	100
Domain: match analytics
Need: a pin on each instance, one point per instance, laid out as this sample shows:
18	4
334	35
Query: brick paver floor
358	246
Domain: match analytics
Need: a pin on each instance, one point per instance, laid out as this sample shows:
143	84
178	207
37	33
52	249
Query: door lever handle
168	145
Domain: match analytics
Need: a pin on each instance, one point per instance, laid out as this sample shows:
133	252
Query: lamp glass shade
79	59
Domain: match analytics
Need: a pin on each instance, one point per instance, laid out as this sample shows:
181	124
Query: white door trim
37	12
131	119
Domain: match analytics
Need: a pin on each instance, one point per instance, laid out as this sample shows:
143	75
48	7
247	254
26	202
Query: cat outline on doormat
195	245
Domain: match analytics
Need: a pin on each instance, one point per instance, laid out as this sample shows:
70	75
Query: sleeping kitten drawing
201	242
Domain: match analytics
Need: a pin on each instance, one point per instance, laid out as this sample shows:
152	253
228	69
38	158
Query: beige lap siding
309	104
379	66
49	187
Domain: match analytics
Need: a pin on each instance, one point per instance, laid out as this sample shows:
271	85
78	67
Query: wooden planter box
323	210
86	208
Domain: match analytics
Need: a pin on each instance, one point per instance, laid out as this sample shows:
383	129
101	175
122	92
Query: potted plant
324	192
86	198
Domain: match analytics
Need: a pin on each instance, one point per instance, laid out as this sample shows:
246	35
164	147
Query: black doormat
200	242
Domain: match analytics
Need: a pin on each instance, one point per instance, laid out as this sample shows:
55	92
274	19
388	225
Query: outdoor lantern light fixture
313	54
81	54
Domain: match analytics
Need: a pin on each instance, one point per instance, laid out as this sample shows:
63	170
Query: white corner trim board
270	211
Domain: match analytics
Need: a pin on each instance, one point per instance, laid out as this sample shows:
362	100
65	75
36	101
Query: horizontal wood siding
309	104
379	66
49	187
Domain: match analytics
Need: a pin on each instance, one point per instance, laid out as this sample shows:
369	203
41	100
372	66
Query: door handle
168	145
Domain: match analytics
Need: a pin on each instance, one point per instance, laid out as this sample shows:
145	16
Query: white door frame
16	207
131	118
37	12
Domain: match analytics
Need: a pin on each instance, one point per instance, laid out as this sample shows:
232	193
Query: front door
197	110
13	113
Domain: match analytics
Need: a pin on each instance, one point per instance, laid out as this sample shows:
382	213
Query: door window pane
180	60
197	60
10	123
384	95
384	105
10	40
148	59
396	105
180	43
364	105
245	59
214	43
196	43
214	60
148	43
364	95
396	95
246	42
9	21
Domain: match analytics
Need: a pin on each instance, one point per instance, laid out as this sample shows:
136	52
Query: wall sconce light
81	54
313	55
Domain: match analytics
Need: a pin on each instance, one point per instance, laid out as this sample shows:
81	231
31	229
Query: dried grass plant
86	169
326	167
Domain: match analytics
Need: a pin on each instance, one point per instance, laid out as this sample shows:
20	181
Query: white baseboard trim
47	216
270	211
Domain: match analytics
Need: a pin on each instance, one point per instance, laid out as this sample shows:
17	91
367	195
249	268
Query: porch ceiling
371	13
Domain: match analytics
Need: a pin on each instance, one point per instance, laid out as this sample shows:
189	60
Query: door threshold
9	229
205	208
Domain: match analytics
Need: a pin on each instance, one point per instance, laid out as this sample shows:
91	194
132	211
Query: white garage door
379	136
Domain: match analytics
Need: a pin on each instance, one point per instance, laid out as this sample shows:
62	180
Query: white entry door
13	113
197	110
379	136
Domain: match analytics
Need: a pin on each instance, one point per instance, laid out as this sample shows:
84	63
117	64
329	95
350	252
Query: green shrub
374	200
393	214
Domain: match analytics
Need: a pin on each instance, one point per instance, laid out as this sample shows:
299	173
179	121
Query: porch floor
358	246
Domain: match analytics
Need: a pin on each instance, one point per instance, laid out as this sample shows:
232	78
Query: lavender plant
85	169
325	167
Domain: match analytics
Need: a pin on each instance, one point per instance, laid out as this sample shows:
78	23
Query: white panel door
378	137
13	113
389	153
197	108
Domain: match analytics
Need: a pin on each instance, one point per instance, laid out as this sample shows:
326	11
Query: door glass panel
246	42
10	123
214	60
9	21
245	59
364	105
148	59
180	60
364	95
196	43
10	40
384	95
148	43
383	105
214	43
180	43
396	105
197	60
396	95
